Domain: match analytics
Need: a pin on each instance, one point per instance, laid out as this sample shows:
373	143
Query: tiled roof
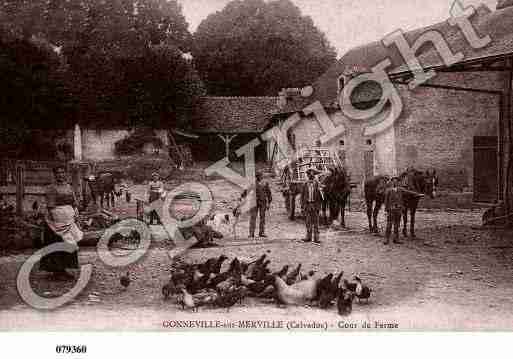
233	114
498	25
367	56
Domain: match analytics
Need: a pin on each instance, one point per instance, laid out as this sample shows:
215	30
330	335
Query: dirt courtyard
454	276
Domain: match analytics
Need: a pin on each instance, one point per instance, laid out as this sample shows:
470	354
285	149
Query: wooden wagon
294	175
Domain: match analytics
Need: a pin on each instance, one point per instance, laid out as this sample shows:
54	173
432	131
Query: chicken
362	291
235	266
336	282
324	285
216	268
125	280
293	276
258	288
349	286
168	289
329	292
220	278
212	265
282	272
187	300
227	285
345	301
246	281
197	275
306	276
198	283
205	298
288	294
260	271
229	299
255	264
269	292
180	277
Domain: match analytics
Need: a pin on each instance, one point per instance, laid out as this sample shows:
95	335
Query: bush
134	143
140	171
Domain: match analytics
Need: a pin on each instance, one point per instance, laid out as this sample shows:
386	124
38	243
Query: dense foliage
134	143
124	59
253	47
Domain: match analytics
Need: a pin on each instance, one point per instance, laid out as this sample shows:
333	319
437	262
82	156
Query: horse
374	189
104	186
417	184
336	194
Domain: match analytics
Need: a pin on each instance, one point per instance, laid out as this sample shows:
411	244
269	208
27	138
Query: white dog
218	220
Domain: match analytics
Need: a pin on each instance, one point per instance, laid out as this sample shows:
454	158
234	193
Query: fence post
76	181
20	188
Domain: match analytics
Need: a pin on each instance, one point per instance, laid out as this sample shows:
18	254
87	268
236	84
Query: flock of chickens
204	284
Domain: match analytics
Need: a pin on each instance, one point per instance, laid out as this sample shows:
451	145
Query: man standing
260	206
155	191
394	209
311	200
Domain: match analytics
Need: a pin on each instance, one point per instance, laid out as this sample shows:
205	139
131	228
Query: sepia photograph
255	166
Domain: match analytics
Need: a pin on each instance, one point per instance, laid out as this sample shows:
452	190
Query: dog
217	220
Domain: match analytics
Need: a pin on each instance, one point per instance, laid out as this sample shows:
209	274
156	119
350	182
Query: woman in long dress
60	225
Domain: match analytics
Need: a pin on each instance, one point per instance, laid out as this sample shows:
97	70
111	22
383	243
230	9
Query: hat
155	174
395	178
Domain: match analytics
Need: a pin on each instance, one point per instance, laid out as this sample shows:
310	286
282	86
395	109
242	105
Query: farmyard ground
451	277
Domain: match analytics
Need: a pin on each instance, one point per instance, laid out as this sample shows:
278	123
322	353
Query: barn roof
367	56
498	25
233	114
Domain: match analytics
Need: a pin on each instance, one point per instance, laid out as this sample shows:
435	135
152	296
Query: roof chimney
502	4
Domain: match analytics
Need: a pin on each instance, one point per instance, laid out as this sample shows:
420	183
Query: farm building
224	124
452	123
217	125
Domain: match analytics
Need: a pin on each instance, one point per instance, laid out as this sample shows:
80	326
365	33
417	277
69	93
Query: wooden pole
227	139
509	160
20	188
76	180
175	145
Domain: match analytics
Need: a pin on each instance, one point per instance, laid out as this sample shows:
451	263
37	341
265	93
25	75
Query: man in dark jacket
262	204
311	201
394	209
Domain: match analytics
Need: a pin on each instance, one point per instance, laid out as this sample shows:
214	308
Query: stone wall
435	130
100	144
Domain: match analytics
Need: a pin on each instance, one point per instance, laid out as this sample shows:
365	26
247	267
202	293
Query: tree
161	85
109	46
35	93
254	48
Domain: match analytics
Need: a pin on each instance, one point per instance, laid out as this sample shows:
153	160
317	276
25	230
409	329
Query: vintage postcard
256	165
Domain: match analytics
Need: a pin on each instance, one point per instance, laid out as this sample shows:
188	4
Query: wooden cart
294	175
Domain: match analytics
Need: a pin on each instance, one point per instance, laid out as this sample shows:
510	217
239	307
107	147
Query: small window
342	143
369	142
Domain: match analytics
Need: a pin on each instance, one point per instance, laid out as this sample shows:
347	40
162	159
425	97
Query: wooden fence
21	178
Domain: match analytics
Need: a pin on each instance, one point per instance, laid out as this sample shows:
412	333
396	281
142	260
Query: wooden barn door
485	169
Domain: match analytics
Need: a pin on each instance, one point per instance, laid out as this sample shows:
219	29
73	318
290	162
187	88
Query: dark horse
374	190
336	190
104	186
416	184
